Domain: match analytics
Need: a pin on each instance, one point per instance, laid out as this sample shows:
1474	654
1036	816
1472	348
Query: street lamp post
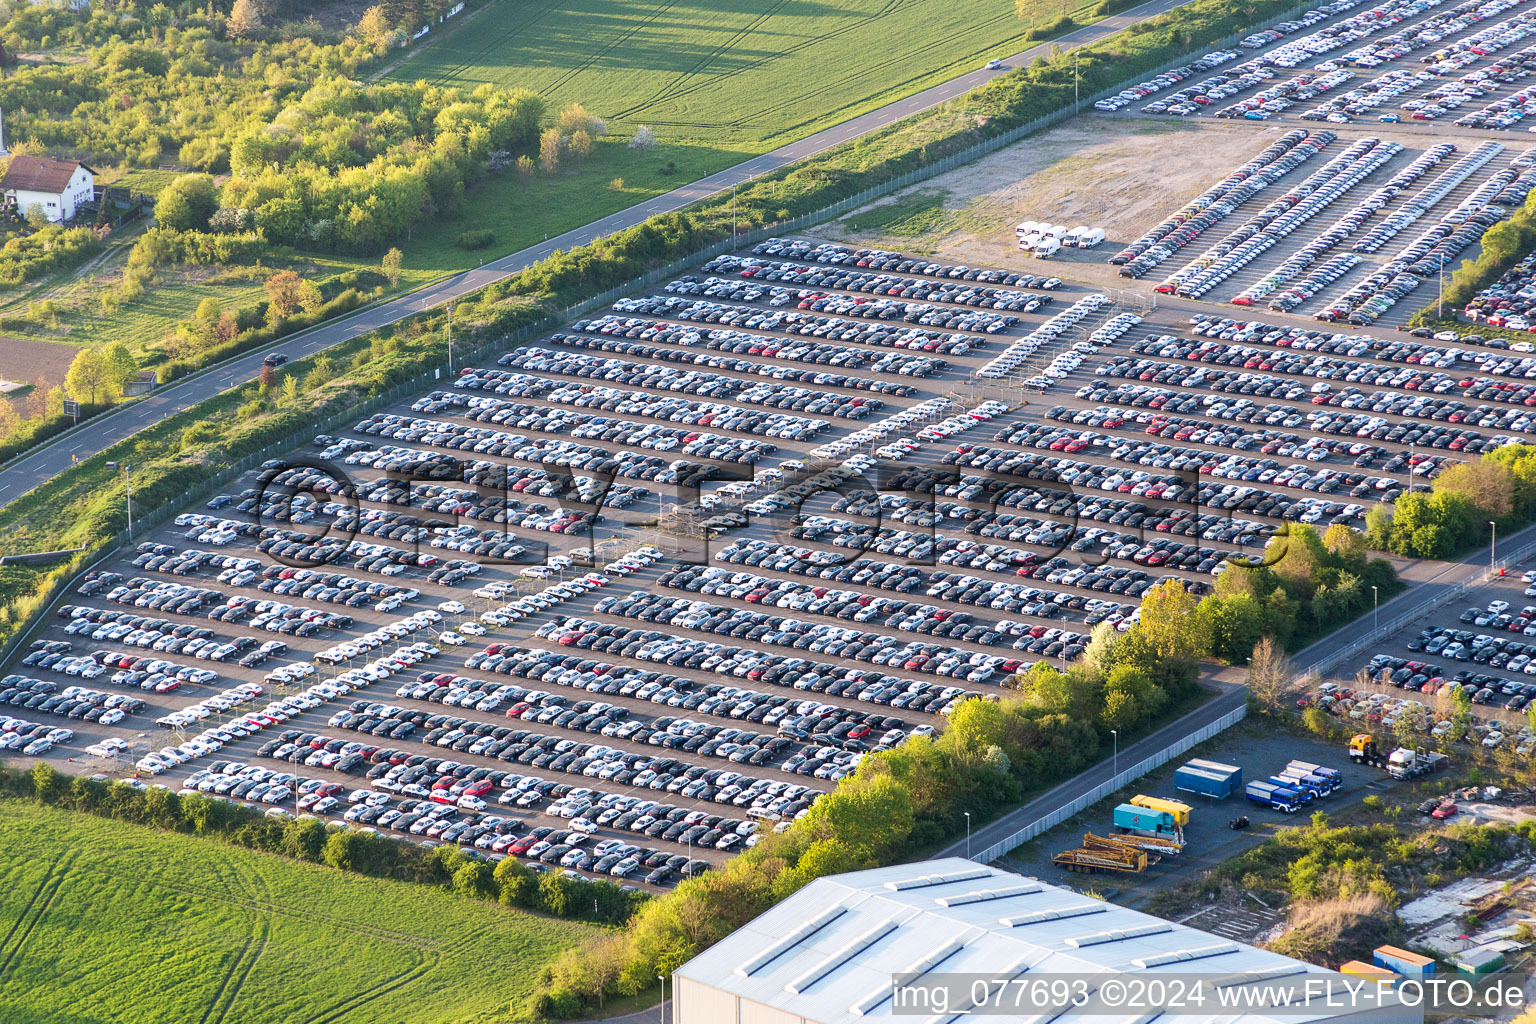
1375	608
1493	541
450	339
663	979
1115	759
967	835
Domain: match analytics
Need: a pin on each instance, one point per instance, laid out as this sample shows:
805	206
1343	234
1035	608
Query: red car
1444	811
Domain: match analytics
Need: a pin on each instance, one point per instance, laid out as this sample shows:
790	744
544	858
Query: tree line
1460	507
315	841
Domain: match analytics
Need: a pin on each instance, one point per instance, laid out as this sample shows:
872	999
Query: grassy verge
122	922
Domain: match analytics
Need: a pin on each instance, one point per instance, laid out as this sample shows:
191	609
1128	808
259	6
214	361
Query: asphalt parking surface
1016	602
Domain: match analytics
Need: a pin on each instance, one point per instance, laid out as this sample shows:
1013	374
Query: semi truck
1131	818
1280	798
1402	763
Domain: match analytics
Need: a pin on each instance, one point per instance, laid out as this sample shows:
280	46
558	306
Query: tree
1345	544
37	399
644	138
244	19
373	26
549	151
284	292
581	145
389	266
1488	485
187	203
1168	622
118	367
575	118
1269	674
310	299
1378	527
524	168
37	217
87	376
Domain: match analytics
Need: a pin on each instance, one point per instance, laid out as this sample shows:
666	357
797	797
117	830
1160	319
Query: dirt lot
1092	171
24	361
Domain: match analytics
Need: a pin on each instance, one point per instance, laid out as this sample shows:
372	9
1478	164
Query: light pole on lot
1114	764
1493	541
663	979
1440	292
1077	81
967	835
450	339
1375	607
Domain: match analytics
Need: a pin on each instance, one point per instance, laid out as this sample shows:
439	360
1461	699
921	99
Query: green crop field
718	82
102	921
747	75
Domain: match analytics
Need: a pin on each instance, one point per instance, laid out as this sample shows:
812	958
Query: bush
483	238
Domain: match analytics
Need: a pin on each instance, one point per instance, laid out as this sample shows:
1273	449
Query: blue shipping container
1193	780
1230	771
1408	964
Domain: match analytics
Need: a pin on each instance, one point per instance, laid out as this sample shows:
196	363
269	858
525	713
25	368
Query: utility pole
450	339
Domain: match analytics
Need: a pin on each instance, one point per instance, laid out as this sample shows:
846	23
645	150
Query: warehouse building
828	955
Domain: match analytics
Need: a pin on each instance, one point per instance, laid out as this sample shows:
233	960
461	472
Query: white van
1090	238
1047	248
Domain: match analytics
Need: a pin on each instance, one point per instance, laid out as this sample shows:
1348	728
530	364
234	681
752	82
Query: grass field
744	74
103	922
718	82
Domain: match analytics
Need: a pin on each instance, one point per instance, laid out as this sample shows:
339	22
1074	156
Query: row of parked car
611	333
1216	203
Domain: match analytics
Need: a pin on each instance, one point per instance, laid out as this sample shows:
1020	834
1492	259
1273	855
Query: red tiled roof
39	174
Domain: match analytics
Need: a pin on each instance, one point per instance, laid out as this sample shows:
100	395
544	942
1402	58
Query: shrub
482	238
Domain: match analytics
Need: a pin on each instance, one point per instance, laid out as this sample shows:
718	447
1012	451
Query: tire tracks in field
234	978
672	91
449	74
661	8
343	1007
266	907
37	907
680	80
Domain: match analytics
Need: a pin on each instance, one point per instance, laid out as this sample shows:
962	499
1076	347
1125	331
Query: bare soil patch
24	361
1123	175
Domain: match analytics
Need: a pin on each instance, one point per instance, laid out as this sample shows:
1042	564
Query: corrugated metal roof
829	952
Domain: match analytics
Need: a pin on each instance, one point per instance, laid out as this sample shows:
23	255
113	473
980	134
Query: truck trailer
1178	808
1279	798
1131	818
1193	780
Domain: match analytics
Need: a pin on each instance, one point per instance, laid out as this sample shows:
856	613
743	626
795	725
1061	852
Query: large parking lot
618	600
1481	645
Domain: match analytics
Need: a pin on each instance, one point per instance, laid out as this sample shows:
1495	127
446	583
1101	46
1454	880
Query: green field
752	74
718	83
102	921
741	74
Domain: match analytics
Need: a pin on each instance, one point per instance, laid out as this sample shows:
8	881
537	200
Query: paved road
43	463
1427	581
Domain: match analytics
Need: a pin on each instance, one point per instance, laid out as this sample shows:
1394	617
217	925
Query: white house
58	186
